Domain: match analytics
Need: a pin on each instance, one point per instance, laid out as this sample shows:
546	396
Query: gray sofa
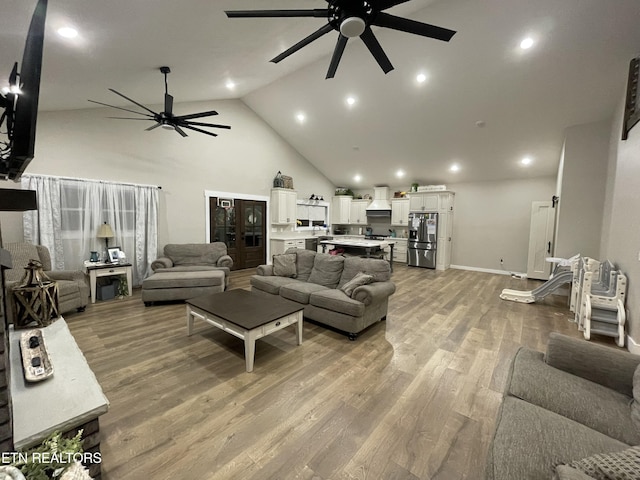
568	414
73	290
319	283
186	271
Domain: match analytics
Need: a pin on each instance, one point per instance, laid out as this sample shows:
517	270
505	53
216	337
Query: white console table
69	399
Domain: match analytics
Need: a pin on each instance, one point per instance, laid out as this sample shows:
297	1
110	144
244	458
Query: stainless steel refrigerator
423	236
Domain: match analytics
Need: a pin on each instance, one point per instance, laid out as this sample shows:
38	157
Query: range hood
380	206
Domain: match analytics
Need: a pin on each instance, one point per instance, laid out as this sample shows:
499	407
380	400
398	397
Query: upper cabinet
283	206
400	212
358	212
340	209
431	201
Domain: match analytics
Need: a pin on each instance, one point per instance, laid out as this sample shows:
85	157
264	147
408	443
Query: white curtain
70	211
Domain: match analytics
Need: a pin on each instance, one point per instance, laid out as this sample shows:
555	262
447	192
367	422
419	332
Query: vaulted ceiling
484	105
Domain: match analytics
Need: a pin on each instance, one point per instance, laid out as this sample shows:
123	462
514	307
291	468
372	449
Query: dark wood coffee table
245	315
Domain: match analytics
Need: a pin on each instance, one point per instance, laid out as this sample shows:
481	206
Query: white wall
621	232
86	144
491	221
583	182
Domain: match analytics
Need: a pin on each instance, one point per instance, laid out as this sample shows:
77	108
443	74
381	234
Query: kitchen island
367	246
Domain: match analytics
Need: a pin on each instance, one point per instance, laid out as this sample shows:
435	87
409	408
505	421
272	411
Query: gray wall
86	144
491	221
582	182
621	232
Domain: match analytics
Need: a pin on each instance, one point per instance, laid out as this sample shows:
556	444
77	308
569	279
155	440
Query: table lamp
105	232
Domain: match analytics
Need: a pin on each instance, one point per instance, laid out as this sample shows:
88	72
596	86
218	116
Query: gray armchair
73	291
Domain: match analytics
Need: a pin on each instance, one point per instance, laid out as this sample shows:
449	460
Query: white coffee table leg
249	349
189	323
299	328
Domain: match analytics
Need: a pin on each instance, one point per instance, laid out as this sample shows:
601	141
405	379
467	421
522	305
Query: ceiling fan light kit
166	119
351	19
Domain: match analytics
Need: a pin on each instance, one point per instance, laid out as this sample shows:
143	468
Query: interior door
541	240
252	233
240	224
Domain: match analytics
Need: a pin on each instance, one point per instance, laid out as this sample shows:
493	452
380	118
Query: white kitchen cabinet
430	202
400	212
283	206
423	202
340	209
358	212
400	250
279	246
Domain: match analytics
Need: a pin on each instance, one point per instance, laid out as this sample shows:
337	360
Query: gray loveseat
186	271
319	283
568	414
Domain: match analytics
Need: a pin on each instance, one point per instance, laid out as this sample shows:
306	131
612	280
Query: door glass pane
230	231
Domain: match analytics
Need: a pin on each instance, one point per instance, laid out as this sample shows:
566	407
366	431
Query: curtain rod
159	187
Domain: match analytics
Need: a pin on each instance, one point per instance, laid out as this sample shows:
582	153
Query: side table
99	269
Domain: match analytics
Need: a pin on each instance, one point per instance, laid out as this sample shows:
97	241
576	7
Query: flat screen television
22	130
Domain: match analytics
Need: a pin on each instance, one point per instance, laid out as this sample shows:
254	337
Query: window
312	214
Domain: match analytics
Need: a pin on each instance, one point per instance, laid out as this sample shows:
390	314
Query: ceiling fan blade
201	124
337	55
304	42
131	118
13	76
376	50
180	131
384	4
125	109
316	12
200	130
412	26
152	127
132	101
195	115
168	104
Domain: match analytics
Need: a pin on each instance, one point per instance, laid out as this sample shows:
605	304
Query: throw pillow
361	278
284	265
635	404
622	465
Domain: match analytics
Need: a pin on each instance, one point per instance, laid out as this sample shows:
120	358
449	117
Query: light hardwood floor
414	397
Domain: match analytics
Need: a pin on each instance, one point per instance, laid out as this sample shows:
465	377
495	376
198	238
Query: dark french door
241	225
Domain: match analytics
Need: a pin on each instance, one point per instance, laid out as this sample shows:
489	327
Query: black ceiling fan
352	19
167	119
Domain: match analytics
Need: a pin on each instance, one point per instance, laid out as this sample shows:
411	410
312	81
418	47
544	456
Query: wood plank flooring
414	397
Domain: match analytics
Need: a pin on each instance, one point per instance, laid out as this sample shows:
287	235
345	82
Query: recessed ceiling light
68	32
230	85
526	43
400	173
301	117
351	100
421	78
454	168
357	178
526	161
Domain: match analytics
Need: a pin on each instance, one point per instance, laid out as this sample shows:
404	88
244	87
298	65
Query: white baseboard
632	346
488	270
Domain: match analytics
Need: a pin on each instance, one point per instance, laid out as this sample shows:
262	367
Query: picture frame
113	254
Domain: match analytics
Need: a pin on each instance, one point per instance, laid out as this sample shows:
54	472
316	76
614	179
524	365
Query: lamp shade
105	231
